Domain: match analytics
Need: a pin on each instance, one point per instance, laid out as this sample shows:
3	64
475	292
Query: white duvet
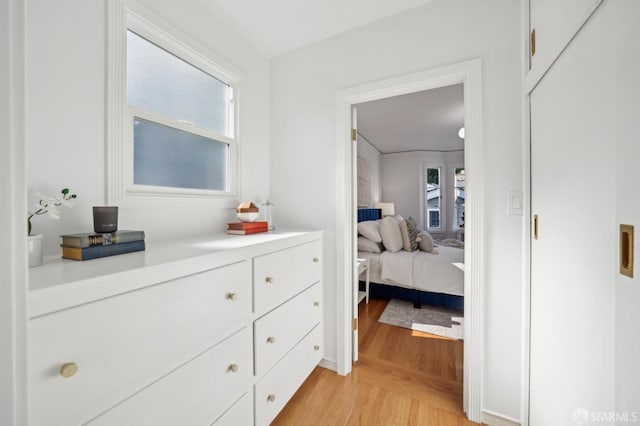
425	271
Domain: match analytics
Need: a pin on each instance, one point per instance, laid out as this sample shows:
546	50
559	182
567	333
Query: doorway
469	74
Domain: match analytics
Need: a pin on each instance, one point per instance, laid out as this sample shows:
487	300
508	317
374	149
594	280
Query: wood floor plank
403	377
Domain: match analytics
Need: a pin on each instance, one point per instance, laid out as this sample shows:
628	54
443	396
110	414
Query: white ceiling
427	120
278	26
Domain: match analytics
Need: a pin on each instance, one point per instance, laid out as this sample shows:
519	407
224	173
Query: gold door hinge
533	42
354	324
535	226
354	135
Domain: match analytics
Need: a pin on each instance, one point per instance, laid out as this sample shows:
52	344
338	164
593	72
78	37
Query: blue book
95	252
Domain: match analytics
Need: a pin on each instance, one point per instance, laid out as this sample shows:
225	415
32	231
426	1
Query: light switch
515	203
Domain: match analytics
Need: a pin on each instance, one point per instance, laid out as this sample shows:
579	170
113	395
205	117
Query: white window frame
424	210
128	15
455	166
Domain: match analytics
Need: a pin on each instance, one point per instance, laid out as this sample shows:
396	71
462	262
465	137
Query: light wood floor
403	377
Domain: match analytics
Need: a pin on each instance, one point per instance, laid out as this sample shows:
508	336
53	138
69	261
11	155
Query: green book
91	239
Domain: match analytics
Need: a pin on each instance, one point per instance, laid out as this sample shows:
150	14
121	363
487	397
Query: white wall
402	176
304	87
374	157
627	310
65	115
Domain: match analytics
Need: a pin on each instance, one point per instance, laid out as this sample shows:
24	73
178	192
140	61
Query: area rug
430	319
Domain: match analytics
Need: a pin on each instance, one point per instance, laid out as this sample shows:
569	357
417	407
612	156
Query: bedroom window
458	198
172	115
433	198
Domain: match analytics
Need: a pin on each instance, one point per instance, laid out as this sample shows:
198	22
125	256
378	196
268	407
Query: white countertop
61	283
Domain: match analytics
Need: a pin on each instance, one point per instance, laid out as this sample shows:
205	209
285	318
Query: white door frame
468	73
13	213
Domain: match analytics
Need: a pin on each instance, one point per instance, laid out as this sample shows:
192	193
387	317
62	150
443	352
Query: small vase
35	250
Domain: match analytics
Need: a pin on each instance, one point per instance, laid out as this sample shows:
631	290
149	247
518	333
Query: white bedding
420	270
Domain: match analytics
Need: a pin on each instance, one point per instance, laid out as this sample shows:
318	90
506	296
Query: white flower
53	212
49	205
62	202
39	195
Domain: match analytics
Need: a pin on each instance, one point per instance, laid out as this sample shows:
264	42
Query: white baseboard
494	419
329	364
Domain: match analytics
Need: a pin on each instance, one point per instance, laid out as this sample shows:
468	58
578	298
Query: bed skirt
386	291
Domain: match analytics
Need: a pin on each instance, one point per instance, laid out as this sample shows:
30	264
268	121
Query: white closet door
628	205
573	258
556	22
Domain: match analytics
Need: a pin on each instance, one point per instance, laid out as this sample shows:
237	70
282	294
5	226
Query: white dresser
220	330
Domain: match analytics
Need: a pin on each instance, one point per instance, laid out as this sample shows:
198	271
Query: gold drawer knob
68	369
269	280
271	339
271	398
234	368
316	348
316	303
316	260
232	296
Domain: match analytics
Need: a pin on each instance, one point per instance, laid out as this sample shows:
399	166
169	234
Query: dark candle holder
105	219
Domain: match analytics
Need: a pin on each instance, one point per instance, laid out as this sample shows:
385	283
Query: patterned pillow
412	227
409	231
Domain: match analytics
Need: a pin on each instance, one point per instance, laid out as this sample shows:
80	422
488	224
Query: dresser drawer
278	331
240	413
194	394
275	389
120	344
278	276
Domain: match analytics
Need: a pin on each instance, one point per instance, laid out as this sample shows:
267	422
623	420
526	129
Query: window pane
160	82
434	219
459	188
433	197
164	156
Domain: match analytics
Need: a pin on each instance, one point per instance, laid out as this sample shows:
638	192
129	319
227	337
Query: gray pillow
390	233
426	241
409	231
368	246
370	229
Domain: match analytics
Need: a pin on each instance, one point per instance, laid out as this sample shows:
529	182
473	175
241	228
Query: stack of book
244	228
92	245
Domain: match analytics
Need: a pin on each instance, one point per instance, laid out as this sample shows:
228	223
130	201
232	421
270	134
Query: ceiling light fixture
461	132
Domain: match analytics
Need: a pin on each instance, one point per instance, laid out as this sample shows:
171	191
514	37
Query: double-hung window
177	134
433	187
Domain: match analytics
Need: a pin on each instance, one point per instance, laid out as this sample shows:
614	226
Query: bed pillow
366	245
409	231
390	233
426	241
370	229
398	217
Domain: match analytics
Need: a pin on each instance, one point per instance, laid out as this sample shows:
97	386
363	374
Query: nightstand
363	266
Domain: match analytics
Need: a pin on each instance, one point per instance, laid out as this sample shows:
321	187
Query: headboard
369	214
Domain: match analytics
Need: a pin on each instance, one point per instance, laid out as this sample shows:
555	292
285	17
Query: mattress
419	270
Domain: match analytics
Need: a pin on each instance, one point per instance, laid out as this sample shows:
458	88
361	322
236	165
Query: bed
422	277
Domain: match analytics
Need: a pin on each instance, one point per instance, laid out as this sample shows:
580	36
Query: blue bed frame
418	297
